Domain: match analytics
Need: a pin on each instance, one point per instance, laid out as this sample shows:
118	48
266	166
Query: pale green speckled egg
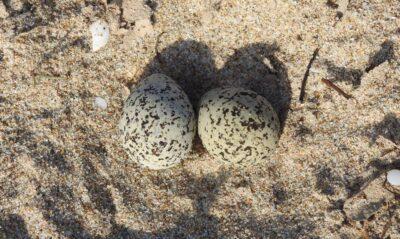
158	123
238	126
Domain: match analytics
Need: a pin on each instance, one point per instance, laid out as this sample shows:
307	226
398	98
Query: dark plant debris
304	82
336	88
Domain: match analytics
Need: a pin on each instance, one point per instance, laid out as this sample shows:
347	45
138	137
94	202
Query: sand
63	173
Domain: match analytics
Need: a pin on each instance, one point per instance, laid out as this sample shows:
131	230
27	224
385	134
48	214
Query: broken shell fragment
393	177
100	34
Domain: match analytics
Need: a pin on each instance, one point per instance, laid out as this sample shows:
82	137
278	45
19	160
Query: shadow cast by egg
255	67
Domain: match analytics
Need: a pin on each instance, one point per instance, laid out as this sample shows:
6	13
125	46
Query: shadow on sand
255	67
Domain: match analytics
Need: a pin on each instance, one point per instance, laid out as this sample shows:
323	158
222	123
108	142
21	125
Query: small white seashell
100	34
100	102
393	177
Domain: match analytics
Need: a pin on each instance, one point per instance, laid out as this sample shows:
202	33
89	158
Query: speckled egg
237	125
158	123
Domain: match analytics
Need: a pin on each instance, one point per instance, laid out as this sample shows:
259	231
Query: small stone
135	10
393	177
206	17
100	34
100	102
16	5
367	202
343	4
3	11
143	28
125	92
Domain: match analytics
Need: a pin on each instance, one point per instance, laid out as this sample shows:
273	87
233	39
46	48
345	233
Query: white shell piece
100	102
393	177
100	34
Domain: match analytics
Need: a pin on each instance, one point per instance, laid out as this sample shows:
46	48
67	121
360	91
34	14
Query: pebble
3	11
143	28
16	5
368	201
134	10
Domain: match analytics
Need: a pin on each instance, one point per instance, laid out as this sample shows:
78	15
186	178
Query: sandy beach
64	174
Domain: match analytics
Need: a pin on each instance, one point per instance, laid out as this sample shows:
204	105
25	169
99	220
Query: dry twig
304	82
336	88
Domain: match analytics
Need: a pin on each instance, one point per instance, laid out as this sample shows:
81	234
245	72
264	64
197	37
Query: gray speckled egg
237	125
158	123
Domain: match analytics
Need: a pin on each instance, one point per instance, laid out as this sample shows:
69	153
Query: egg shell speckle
158	123
237	125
